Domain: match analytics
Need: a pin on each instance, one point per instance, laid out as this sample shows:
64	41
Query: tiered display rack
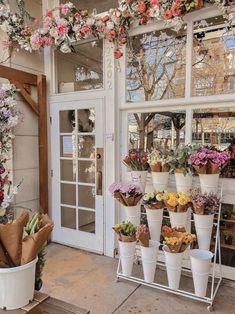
214	279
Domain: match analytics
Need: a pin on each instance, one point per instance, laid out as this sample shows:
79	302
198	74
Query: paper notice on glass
67	146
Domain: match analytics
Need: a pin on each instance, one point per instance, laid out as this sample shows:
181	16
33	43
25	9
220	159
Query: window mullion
189	60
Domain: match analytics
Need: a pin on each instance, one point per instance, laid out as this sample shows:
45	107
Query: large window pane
156	66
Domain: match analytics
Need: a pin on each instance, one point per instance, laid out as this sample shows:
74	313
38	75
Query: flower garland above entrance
73	24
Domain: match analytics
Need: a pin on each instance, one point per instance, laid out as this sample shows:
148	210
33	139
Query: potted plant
228	238
129	195
137	161
205	205
226	214
153	203
208	162
127	243
158	160
149	252
177	205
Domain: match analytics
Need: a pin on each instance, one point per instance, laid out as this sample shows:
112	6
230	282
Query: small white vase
154	217
179	220
139	178
209	182
183	182
133	214
127	256
149	260
203	226
160	180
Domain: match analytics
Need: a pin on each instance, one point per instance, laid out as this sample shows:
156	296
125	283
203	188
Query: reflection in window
156	66
148	130
213	57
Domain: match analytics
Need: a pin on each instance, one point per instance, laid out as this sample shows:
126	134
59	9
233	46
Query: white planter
139	177
17	286
203	226
149	260
209	182
183	183
160	180
179	220
154	217
173	263
133	214
200	261
127	256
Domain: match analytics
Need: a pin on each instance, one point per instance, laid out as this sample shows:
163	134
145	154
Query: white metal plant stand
214	279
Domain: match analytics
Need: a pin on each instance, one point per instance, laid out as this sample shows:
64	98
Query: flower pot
133	214
178	220
200	261
160	180
209	182
17	286
149	260
203	225
173	267
183	182
154	217
127	256
139	177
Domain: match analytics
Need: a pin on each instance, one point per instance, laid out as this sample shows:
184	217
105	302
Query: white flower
4	204
2	211
6	27
65	48
154	12
90	21
14	190
6	87
54	32
14	18
62	22
159	197
69	5
110	25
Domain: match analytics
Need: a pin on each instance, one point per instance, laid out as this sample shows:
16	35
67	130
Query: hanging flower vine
73	24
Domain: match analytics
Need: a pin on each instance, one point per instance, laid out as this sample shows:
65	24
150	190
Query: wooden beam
43	149
18	75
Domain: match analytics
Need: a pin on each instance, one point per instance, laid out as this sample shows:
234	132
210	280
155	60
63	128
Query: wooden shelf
228	220
226	246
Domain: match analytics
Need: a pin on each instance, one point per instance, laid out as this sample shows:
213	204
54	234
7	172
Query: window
204	85
231	60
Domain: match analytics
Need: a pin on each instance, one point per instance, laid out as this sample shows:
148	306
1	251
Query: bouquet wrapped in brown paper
177	202
153	200
125	231
204	203
159	160
143	235
128	194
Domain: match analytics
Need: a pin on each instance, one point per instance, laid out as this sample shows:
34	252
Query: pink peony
117	53
155	2
47	41
36	39
62	29
168	14
86	29
64	9
141	7
176	10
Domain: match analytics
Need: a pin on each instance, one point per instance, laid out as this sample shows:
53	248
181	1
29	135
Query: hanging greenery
72	24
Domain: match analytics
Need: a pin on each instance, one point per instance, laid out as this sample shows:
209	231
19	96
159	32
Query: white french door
77	173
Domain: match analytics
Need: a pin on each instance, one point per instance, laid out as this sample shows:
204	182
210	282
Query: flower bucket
209	182
203	225
200	261
179	220
139	177
17	286
160	180
133	214
154	217
173	267
149	260
183	183
127	256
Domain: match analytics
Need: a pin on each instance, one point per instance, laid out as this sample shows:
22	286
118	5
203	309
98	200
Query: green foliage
125	228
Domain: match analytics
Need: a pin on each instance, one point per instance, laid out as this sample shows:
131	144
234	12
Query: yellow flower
172	201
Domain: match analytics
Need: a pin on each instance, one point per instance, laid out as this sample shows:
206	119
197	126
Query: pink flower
64	9
118	54
141	7
48	21
49	13
36	39
176	10
155	2
47	41
86	29
62	29
168	14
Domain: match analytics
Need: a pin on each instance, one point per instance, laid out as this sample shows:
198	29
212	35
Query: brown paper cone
176	248
3	259
158	205
200	169
212	168
137	199
156	167
144	239
125	238
179	170
165	168
44	220
198	210
130	201
182	208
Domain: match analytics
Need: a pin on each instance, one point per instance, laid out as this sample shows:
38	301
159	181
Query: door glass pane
68	194
86	120
68	170
68	217
86	146
86	221
67	146
86	171
86	196
67	121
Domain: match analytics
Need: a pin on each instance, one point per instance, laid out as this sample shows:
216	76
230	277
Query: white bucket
183	183
133	214
209	182
17	286
127	256
154	217
179	220
173	267
149	260
160	180
203	226
139	177
200	261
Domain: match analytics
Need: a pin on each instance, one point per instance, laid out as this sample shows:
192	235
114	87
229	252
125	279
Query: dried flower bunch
142	235
159	159
128	194
204	203
209	160
126	232
177	202
153	200
136	160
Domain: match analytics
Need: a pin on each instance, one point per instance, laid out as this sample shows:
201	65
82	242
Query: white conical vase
154	217
203	226
183	182
173	263
127	256
200	261
178	220
160	180
149	260
133	214
209	182
139	178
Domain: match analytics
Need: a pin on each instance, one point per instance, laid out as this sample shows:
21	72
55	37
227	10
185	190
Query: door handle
99	170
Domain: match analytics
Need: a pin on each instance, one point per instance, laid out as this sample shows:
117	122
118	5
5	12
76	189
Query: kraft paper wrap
182	208
3	259
44	220
156	167
11	236
165	168
212	168
158	205
144	239
125	238
197	209
179	170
